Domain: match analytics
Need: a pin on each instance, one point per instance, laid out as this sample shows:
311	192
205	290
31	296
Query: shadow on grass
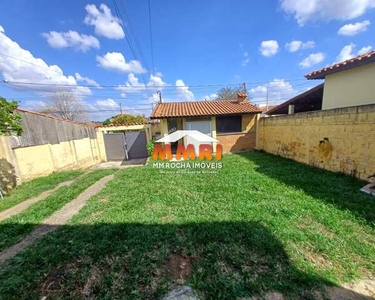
333	188
221	260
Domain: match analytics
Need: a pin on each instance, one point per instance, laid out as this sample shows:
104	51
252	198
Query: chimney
241	98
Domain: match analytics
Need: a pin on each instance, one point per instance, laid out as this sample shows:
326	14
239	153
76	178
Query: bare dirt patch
180	267
94	278
317	259
57	278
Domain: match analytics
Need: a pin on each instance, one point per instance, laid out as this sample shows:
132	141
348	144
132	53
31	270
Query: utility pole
160	99
244	88
267	100
120	108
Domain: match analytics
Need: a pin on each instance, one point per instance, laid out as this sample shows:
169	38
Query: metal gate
129	145
115	146
136	144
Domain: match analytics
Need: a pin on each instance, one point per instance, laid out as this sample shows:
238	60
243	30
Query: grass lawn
262	224
14	229
35	187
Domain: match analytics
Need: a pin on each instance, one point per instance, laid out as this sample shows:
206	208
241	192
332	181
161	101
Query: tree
10	122
124	119
227	93
65	105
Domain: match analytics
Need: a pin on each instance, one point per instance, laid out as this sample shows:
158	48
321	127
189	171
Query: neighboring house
348	83
308	101
232	122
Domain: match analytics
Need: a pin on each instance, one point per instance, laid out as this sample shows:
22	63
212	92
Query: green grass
263	223
35	187
14	229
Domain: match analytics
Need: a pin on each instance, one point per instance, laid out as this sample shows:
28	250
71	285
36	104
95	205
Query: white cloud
156	81
87	80
354	28
134	86
278	90
210	97
154	98
313	10
246	59
71	39
298	45
2	29
269	48
364	50
259	89
348	52
312	59
21	66
183	92
106	104
115	61
104	22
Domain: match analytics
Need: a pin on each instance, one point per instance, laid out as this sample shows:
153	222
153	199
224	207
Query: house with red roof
232	122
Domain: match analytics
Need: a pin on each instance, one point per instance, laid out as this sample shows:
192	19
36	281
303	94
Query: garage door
115	146
136	142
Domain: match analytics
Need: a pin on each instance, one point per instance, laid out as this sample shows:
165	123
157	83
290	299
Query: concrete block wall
351	132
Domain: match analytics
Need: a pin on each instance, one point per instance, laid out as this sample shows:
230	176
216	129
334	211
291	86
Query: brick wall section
242	141
237	142
351	132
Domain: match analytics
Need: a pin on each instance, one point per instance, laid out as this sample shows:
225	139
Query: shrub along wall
350	132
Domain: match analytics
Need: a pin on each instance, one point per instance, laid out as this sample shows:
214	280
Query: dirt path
25	204
57	219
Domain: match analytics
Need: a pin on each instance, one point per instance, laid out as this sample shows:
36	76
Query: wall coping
329	112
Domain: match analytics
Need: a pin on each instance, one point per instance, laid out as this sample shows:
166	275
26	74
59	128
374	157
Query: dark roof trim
294	99
355	62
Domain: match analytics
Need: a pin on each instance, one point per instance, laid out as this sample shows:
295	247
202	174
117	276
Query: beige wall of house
240	141
231	142
36	161
350	88
351	133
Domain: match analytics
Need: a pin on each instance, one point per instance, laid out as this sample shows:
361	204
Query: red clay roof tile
345	65
203	108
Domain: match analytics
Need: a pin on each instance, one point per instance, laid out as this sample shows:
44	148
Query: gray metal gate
129	145
136	144
115	146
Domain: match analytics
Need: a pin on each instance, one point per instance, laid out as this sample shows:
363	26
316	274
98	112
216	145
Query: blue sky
199	47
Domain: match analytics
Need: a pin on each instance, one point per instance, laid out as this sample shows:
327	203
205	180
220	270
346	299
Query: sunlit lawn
261	224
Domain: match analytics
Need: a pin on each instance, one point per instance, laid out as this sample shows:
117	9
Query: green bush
150	147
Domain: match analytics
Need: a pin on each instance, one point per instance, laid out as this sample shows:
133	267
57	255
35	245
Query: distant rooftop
308	101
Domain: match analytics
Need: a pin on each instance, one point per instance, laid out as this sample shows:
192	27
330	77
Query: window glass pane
172	125
229	124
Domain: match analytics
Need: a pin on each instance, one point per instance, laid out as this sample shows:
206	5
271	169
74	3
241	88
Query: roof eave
205	115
